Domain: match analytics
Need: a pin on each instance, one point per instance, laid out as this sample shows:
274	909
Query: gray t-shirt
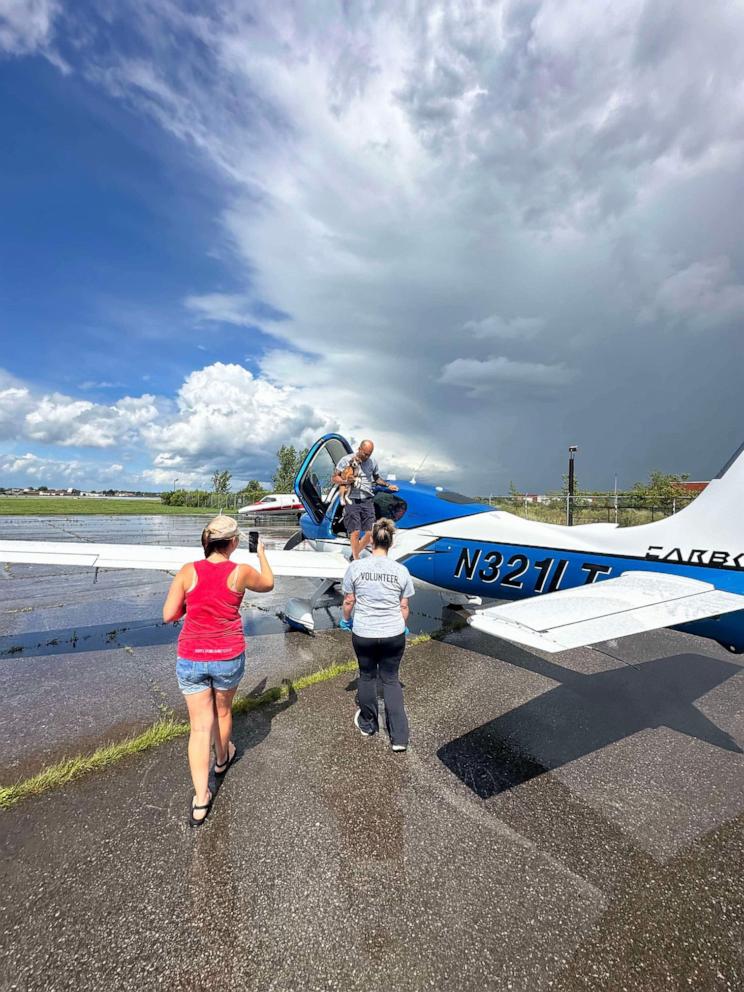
379	584
364	486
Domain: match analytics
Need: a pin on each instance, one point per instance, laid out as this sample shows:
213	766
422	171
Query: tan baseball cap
222	528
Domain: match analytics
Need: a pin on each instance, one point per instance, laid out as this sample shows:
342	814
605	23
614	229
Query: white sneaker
364	733
399	747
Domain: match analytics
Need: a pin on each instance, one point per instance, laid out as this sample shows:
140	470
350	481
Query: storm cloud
517	221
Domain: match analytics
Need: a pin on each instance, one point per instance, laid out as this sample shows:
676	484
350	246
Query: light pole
572	449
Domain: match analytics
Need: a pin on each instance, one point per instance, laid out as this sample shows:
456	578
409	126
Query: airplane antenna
413	477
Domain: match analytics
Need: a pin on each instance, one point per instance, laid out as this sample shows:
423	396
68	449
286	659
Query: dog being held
349	475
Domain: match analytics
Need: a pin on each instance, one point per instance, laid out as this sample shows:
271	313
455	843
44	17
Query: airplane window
389	505
451	497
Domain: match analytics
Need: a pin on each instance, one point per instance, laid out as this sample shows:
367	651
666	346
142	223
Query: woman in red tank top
211	648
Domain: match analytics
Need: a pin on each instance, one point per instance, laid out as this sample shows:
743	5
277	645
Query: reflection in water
431	615
216	896
368	809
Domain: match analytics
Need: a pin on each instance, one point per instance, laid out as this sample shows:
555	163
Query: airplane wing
630	604
301	564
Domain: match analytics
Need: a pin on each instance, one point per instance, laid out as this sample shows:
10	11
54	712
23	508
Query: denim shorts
196	676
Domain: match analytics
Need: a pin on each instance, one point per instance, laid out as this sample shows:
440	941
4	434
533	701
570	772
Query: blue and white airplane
579	585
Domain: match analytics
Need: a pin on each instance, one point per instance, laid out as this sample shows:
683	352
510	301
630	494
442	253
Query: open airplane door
317	494
313	484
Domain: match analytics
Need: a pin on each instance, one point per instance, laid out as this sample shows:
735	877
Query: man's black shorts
359	516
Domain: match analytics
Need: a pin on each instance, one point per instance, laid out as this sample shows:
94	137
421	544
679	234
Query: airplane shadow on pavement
585	713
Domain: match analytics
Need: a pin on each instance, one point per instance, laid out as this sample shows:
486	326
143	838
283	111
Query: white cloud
26	25
91	384
166	478
389	171
58	419
222	417
228	417
31	469
221	307
704	293
480	378
15	402
496	326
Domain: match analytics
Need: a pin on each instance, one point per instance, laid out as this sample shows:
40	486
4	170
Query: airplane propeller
297	538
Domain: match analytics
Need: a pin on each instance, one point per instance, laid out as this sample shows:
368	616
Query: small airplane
580	585
276	503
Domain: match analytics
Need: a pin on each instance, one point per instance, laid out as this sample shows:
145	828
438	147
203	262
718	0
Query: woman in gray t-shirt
377	590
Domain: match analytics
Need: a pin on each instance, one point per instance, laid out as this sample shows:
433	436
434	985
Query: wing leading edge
301	564
630	604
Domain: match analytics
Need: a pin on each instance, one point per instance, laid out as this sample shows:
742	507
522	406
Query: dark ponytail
383	533
210	545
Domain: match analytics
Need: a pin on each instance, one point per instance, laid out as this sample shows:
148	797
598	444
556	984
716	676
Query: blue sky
228	227
105	228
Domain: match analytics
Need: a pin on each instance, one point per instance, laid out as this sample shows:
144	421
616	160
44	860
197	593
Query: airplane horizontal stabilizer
630	604
300	564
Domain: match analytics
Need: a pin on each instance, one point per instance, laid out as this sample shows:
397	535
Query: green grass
626	517
167	728
69	769
53	506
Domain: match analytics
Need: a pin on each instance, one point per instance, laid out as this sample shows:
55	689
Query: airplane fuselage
493	554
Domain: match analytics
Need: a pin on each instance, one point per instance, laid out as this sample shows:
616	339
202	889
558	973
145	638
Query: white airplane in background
273	503
581	585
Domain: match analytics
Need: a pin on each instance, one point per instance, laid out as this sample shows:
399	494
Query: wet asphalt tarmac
85	656
567	822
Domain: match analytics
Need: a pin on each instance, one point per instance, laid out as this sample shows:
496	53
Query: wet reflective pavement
570	822
85	657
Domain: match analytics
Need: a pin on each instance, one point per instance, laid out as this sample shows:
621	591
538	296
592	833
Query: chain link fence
625	510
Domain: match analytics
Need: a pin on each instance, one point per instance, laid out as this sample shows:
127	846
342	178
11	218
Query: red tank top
212	630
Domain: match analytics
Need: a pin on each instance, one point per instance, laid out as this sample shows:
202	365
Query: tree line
663	490
288	464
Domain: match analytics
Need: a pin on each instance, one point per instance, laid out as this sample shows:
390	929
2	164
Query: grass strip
71	768
165	729
53	506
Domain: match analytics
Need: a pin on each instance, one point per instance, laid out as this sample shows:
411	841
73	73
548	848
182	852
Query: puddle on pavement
428	611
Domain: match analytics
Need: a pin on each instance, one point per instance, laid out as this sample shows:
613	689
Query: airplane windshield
451	497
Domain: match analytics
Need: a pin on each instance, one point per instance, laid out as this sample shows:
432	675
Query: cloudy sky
476	232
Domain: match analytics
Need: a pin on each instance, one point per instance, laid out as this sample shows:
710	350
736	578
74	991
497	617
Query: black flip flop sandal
226	764
192	819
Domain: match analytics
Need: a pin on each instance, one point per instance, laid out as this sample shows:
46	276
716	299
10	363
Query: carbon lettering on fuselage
520	572
695	556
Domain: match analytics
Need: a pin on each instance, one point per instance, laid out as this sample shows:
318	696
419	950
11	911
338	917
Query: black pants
381	656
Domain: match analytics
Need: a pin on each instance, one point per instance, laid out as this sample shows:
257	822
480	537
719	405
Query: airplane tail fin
715	519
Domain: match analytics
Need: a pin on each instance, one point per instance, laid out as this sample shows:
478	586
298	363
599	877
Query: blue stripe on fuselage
509	571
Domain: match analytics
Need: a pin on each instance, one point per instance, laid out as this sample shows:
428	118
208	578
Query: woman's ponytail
383	533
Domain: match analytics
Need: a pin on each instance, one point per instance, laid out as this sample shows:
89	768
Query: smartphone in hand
253	541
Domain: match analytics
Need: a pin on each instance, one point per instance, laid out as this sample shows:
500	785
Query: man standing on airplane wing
359	512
